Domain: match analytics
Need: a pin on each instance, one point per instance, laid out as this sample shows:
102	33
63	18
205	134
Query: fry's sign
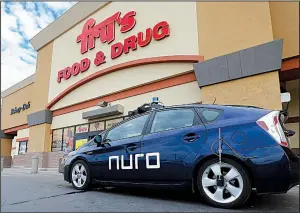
105	33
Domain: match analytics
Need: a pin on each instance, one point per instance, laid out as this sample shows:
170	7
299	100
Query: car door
114	158
171	143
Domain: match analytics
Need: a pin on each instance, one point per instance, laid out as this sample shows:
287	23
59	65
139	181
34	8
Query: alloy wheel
79	175
232	186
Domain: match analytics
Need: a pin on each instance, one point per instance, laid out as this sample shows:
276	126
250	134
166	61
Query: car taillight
270	123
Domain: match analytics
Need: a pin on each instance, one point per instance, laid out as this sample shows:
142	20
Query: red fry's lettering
85	64
127	22
75	69
87	37
142	42
161	30
60	75
67	73
100	58
116	50
130	43
105	30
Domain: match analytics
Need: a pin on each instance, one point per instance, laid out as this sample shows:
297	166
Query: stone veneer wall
7	161
46	159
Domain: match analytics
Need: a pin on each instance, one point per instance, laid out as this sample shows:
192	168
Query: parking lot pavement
46	191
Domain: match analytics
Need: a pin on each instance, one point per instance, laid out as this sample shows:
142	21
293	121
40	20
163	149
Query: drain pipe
2	162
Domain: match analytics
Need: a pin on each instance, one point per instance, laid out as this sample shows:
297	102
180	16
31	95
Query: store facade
127	53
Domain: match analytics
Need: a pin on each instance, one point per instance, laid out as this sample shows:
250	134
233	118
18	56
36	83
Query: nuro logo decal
136	158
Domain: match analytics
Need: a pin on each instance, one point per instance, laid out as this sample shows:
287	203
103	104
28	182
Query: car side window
131	128
173	119
209	115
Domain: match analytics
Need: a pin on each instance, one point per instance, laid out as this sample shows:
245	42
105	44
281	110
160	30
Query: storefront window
57	140
22	147
110	123
68	139
97	126
82	128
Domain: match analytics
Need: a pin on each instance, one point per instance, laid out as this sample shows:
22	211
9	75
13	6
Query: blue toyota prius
223	152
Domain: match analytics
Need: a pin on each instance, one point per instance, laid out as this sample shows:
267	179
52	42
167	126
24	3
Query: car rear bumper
274	170
293	168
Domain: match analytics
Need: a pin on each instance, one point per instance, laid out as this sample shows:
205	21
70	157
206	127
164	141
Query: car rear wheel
80	175
226	186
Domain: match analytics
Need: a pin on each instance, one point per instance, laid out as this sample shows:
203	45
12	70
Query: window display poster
22	148
68	139
82	128
97	126
80	142
110	123
57	140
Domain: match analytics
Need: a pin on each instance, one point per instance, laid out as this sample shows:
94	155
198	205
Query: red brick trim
293	120
14	130
290	63
162	84
22	139
139	62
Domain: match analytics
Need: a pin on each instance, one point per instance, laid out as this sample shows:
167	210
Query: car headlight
71	154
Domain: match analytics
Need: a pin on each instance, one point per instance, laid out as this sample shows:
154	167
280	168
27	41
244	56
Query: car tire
81	170
237	184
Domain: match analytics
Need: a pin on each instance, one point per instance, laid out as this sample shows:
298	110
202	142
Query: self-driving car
222	152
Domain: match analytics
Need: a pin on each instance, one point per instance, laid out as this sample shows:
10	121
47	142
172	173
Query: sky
20	21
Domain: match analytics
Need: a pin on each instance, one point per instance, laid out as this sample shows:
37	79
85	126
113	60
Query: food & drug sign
104	32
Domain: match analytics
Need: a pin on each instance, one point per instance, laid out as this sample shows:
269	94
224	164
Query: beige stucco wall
295	138
122	79
23	133
285	24
226	27
16	146
188	93
39	138
260	90
183	39
5	146
293	88
42	78
16	99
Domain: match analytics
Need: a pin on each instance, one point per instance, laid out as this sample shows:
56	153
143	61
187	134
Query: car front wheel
80	175
227	185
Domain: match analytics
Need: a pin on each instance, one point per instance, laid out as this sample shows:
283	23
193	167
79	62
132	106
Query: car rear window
173	119
209	115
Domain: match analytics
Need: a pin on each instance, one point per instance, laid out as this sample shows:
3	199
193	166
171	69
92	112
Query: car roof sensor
155	104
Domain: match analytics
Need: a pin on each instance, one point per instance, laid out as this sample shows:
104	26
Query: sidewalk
22	170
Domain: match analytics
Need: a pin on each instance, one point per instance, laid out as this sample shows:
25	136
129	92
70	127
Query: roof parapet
27	81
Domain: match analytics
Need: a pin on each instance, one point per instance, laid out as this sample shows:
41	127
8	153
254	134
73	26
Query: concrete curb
39	169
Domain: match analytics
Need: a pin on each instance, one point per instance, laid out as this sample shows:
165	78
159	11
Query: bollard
60	167
34	164
2	160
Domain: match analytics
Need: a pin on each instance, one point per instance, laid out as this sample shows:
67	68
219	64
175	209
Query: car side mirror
98	139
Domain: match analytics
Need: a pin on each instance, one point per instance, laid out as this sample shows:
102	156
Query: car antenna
214	100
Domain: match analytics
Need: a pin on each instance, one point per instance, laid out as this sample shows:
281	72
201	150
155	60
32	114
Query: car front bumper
67	173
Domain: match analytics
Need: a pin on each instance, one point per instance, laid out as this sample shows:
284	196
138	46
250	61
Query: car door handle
191	137
131	148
